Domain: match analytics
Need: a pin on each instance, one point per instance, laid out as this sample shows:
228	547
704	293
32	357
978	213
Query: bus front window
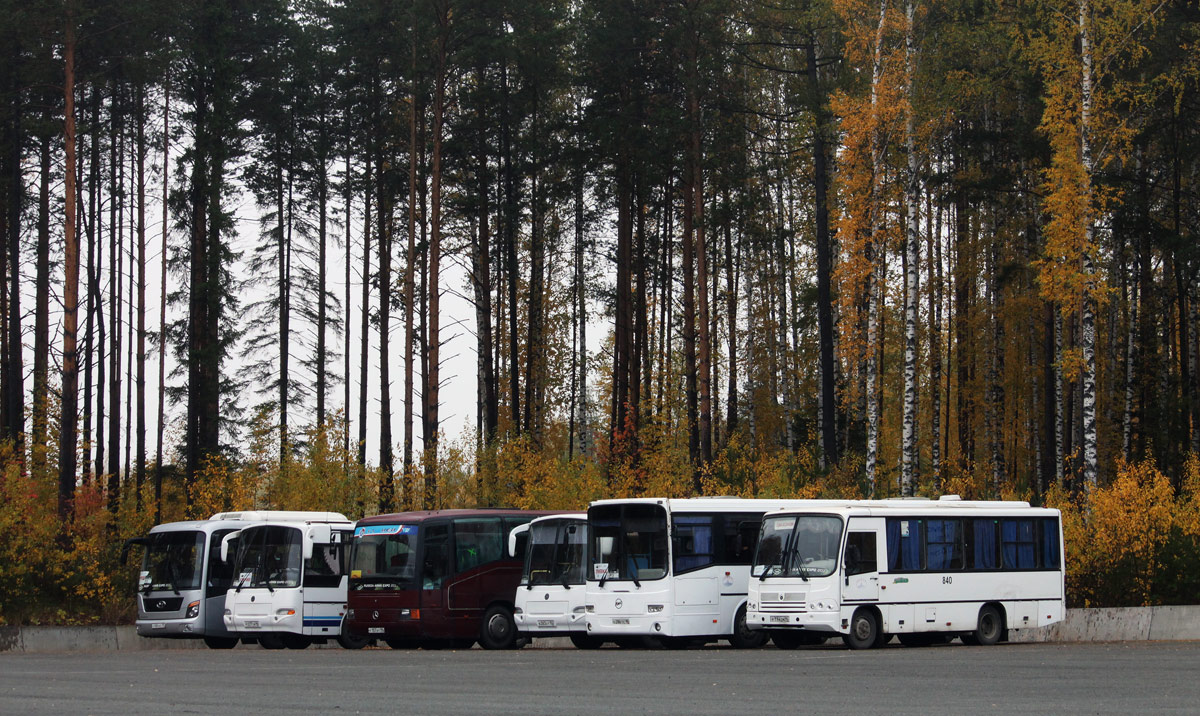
555	554
384	556
814	548
628	542
173	561
775	535
269	557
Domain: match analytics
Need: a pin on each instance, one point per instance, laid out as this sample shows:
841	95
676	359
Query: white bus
550	597
289	581
674	570
182	583
925	571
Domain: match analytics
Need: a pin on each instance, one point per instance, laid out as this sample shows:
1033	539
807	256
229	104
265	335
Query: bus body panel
547	606
163	612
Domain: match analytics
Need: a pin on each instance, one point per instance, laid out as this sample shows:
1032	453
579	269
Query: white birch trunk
1087	317
874	247
908	460
1059	447
1130	358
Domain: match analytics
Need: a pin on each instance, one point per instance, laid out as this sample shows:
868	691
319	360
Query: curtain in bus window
943	545
1017	544
693	542
1050	551
904	544
477	541
985	544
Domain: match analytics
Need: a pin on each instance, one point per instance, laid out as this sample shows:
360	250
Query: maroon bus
436	578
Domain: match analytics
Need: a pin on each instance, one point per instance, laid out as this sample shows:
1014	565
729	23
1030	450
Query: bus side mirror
307	549
514	539
129	543
229	538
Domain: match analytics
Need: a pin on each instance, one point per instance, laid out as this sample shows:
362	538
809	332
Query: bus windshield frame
628	542
805	545
555	553
173	561
269	557
395	566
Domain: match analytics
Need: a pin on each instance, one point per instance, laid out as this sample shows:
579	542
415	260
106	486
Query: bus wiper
171	575
566	578
604	577
791	556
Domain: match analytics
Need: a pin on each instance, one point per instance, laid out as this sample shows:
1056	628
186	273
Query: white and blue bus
550	596
925	571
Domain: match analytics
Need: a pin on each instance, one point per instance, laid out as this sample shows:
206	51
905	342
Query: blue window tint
985	544
1050	547
1018	544
693	542
904	544
943	545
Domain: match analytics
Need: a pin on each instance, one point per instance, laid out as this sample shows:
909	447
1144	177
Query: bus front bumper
171	628
815	621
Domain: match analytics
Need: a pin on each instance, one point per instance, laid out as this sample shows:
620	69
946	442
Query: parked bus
925	571
289	580
182	583
436	578
674	570
550	597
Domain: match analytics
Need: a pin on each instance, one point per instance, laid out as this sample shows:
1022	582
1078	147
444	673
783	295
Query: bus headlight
654	608
193	610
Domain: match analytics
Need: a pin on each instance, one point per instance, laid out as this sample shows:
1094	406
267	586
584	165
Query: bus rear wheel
990	626
498	630
743	637
864	630
220	642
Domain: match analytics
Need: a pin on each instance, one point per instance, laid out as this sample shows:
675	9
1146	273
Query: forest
745	247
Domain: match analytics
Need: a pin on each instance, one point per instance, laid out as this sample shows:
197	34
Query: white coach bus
289	580
550	596
925	571
674	570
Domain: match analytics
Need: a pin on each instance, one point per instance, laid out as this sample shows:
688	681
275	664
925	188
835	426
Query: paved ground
1126	677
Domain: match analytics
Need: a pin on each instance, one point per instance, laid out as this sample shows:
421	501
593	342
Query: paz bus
436	578
289	580
182	582
674	570
926	571
550	596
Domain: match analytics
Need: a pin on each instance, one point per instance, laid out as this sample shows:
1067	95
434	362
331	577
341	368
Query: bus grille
783	602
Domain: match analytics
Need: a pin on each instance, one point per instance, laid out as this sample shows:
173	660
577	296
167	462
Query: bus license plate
251	625
779	619
158	625
545	622
375	630
620	621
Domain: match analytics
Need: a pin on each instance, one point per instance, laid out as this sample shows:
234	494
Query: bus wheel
743	637
498	630
220	642
796	639
990	626
401	643
296	641
583	641
270	641
864	630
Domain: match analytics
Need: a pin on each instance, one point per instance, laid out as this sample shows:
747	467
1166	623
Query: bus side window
860	553
220	574
436	565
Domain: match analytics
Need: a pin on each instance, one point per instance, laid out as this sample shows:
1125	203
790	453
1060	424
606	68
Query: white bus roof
576	516
281	516
736	504
883	508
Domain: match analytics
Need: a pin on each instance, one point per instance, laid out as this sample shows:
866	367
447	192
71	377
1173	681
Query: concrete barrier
1081	625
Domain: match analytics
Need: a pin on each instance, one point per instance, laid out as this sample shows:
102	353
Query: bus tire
498	631
220	642
864	630
990	626
270	641
401	643
350	641
296	641
584	641
743	637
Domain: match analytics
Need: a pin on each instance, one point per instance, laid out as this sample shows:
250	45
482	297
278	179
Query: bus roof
281	516
737	504
425	515
881	508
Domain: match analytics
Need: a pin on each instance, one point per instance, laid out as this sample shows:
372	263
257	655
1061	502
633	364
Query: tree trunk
908	462
365	326
873	248
70	374
162	305
41	312
432	377
1087	318
140	405
828	398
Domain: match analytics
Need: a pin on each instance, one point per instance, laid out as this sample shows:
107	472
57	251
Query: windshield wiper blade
171	575
791	556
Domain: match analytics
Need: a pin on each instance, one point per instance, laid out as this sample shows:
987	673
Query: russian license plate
251	625
158	625
779	619
620	621
545	622
375	630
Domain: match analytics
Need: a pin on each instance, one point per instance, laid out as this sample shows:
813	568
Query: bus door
860	560
218	580
437	568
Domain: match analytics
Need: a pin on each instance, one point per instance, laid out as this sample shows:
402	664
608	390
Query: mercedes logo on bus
375	615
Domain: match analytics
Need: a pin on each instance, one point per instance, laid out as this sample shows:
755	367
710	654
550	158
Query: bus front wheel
498	630
864	630
743	637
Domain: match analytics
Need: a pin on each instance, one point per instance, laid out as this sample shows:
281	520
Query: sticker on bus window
600	570
356	574
903	528
244	578
144	579
785	524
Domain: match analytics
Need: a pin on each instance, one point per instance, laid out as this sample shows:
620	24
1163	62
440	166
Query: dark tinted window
220	574
1018	544
943	545
478	541
1051	552
740	532
984	538
860	553
438	561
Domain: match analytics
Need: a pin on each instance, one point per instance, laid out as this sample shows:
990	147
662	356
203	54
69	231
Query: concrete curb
1179	623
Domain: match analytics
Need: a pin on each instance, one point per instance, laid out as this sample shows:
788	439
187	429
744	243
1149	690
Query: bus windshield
798	546
555	553
173	560
627	542
384	557
269	557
